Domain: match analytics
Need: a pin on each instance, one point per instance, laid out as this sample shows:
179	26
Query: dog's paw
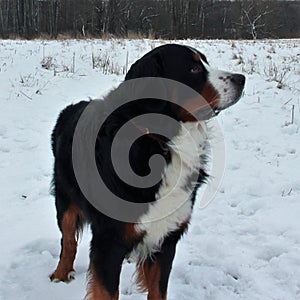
65	277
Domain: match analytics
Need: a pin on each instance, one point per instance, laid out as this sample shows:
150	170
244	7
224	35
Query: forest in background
166	19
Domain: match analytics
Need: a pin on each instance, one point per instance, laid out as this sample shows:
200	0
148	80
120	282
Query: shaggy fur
152	239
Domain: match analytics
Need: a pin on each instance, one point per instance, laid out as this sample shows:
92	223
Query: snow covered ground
244	245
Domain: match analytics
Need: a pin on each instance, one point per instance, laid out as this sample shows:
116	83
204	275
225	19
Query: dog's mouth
222	90
211	101
224	105
207	114
209	111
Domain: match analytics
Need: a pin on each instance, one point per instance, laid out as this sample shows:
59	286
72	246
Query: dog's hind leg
70	224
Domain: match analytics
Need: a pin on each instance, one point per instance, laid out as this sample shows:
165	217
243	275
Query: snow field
244	245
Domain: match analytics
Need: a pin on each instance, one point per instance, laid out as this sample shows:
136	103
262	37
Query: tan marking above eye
196	57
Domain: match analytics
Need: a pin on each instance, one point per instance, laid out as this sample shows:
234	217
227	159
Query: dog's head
184	64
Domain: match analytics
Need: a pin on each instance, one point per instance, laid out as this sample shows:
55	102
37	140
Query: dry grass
107	65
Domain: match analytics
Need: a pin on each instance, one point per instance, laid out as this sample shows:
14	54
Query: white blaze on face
222	83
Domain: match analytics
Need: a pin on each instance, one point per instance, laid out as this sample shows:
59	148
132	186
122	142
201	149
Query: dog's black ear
150	65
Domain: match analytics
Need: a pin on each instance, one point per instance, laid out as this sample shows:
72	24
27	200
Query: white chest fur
173	205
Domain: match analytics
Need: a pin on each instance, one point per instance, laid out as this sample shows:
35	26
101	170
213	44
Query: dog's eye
196	69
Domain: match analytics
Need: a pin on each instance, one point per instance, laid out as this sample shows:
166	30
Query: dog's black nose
238	79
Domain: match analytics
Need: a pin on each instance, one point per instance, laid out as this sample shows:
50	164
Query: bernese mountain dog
151	236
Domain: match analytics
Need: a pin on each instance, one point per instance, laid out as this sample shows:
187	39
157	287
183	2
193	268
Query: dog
152	237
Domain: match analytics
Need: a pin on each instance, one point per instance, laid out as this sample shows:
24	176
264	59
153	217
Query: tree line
168	19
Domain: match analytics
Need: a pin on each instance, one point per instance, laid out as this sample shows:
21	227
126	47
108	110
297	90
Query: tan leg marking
65	270
148	280
96	290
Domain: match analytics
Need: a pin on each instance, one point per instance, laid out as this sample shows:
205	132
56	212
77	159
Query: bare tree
162	18
252	17
201	15
4	17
